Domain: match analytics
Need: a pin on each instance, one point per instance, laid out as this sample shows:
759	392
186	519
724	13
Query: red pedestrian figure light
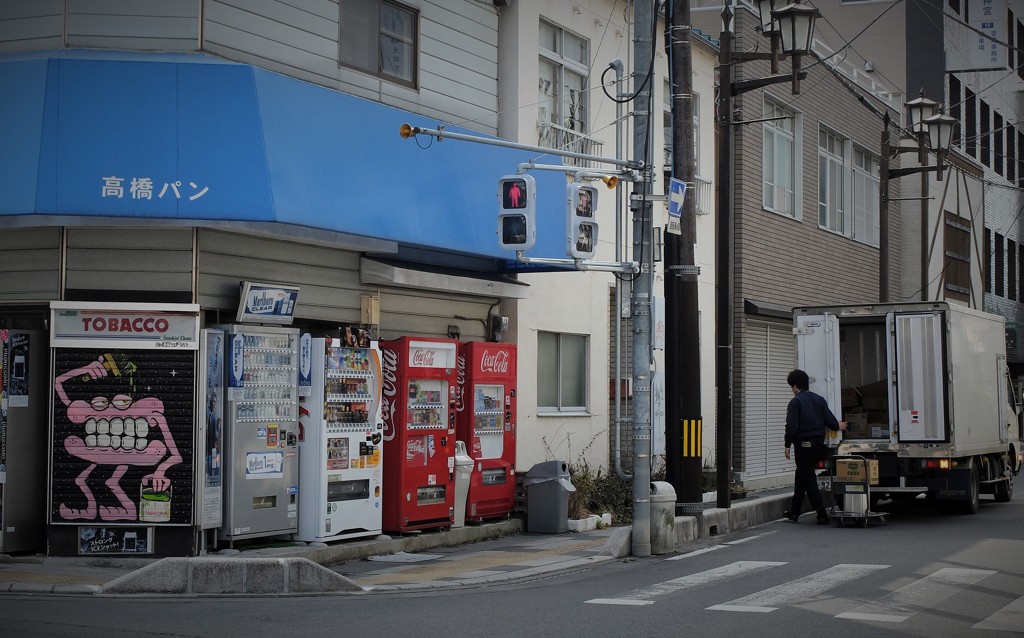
514	194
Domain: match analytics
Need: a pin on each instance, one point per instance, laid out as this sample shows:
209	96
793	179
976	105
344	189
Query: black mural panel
123	436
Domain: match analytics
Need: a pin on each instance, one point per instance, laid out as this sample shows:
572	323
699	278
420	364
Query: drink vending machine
261	432
486	422
340	440
419	432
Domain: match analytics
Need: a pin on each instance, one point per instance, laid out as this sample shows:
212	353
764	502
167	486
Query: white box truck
924	389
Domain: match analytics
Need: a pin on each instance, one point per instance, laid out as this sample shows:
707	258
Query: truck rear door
917	355
817	351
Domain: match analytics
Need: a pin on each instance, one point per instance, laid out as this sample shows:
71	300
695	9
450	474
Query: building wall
31	267
583	302
782	262
457	82
1001	90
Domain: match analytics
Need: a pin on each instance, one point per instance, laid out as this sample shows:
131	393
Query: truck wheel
970	506
1004	490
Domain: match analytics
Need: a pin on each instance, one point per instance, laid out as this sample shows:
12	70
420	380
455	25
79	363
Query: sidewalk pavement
461	557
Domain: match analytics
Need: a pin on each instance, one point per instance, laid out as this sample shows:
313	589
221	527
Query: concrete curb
206	575
717	521
383	545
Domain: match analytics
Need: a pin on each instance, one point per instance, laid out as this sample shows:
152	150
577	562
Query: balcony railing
558	137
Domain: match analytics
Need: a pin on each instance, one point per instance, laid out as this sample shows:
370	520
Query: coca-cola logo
460	382
389	388
423	358
414	448
495	363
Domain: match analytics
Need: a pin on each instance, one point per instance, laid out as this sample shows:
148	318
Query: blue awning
192	137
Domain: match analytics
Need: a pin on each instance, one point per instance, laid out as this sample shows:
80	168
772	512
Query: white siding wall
458	60
30	266
26	25
130	259
458	44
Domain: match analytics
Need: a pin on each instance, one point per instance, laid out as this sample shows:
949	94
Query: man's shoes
823	519
792	517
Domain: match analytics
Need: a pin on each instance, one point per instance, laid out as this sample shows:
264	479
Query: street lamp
933	132
793	27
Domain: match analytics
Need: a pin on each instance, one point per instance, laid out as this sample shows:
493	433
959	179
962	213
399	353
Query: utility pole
641	206
723	266
683	422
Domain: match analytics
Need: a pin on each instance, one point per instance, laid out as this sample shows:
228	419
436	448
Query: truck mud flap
956	486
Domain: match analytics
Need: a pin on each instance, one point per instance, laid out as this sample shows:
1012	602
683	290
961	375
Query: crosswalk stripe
770	599
1009	618
924	593
644	594
715	548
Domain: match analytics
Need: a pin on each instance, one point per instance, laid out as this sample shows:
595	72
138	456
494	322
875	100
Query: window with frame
988	260
379	37
958	257
1011	153
1020	274
562	86
971	122
561	372
865	196
779	159
999	147
831	180
985	140
1011	272
954	108
999	268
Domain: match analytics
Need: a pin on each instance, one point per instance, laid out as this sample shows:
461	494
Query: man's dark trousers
805	481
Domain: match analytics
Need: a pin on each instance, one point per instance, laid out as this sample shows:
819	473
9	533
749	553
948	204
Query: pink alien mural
117	429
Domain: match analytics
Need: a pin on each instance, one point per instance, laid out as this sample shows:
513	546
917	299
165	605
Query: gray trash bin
663	518
547	497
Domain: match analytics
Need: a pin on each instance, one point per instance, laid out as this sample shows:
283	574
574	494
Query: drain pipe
619	68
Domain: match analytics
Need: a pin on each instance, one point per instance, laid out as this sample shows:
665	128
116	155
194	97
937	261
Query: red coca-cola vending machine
486	422
419	432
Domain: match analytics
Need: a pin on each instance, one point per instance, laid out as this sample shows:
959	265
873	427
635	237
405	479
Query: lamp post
933	131
792	28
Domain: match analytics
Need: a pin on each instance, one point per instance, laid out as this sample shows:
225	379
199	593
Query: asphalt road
924	573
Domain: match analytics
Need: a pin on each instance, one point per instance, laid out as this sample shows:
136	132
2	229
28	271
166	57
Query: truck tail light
938	464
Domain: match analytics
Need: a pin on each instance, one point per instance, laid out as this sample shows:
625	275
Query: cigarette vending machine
23	410
261	432
340	441
486	422
419	432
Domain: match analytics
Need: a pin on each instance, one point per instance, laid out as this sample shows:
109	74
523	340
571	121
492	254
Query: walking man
807	418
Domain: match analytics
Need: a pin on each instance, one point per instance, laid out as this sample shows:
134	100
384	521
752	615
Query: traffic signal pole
641	206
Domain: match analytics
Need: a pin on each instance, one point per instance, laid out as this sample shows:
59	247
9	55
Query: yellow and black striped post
691	443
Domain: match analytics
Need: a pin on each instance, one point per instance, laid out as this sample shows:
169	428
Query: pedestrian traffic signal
517	212
581	226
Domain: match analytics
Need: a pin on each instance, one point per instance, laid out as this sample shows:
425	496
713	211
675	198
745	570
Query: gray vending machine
24	399
261	469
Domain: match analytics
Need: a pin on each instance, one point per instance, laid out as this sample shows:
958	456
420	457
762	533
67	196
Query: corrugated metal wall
30	267
151	259
330	288
328	277
769	356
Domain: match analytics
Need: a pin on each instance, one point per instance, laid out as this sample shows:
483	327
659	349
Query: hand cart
854	486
